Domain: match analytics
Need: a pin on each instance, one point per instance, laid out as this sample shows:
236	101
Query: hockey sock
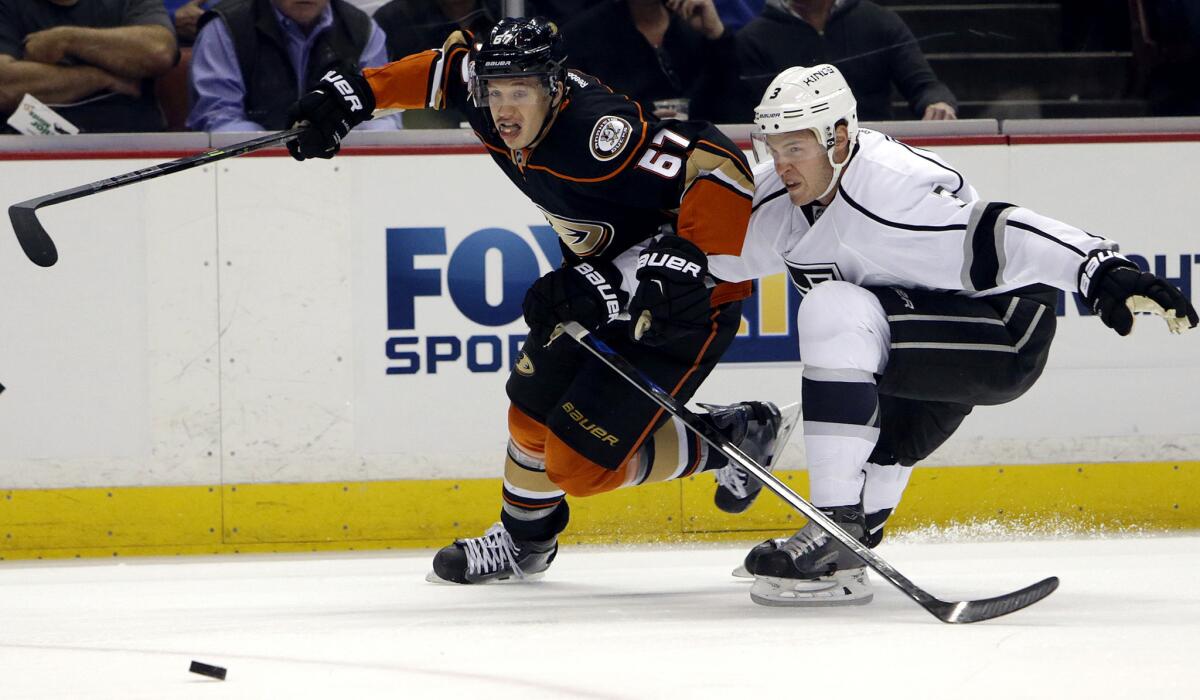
672	452
841	426
884	484
531	500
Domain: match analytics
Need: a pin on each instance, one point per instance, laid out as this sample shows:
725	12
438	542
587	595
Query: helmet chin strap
837	171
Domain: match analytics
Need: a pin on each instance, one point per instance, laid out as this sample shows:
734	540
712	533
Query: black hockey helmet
518	47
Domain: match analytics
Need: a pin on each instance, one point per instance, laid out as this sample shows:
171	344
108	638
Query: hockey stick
36	242
946	611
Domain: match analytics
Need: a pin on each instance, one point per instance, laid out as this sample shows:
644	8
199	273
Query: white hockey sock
841	426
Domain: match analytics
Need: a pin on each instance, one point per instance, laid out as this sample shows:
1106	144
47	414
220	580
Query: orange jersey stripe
714	217
409	82
726	292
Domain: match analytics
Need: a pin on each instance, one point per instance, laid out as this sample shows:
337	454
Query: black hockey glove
1115	288
341	101
672	298
588	293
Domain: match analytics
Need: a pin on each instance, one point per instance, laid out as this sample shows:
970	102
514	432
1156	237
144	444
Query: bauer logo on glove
340	101
670	262
672	298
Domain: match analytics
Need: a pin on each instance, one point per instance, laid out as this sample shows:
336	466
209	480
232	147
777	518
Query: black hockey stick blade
988	608
947	611
35	240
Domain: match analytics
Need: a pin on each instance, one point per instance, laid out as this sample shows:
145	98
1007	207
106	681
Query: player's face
802	164
518	107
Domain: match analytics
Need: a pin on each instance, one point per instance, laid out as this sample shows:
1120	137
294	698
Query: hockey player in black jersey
920	301
649	215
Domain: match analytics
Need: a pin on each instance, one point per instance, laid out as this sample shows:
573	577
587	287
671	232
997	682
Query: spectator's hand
125	86
939	111
49	45
700	15
186	19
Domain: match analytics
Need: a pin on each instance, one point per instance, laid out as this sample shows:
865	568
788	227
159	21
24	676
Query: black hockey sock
540	529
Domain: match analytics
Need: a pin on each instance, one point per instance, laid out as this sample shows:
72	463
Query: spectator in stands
869	44
1174	27
254	58
557	11
738	13
93	62
667	54
186	16
413	26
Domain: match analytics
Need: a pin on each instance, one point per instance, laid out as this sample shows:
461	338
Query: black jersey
606	176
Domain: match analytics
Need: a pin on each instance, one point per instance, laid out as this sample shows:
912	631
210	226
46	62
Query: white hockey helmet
815	98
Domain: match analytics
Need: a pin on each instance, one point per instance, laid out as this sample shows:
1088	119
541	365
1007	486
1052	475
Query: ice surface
648	622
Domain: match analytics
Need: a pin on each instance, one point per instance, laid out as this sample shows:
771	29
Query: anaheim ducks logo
580	236
609	137
524	365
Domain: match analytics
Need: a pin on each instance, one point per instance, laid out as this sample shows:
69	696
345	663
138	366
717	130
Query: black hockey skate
495	556
748	564
761	430
874	525
811	567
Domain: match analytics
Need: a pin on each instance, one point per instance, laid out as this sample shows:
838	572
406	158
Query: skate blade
432	577
789	418
833	591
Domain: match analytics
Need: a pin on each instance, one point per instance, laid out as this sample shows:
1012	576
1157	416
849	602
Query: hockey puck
206	670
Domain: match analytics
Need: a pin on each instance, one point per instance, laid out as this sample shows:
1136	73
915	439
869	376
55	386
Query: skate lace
734	479
491	552
809	538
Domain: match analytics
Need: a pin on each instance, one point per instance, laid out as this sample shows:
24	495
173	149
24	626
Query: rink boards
272	355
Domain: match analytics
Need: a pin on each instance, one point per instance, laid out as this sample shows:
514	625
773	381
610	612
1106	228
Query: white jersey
903	217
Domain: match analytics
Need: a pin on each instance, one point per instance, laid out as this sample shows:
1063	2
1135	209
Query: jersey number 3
661	163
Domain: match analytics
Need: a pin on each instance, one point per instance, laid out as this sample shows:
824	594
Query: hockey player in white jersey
921	301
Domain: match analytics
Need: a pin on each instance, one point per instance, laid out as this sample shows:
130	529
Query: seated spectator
1174	27
869	44
254	58
93	62
663	53
186	16
413	26
558	11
